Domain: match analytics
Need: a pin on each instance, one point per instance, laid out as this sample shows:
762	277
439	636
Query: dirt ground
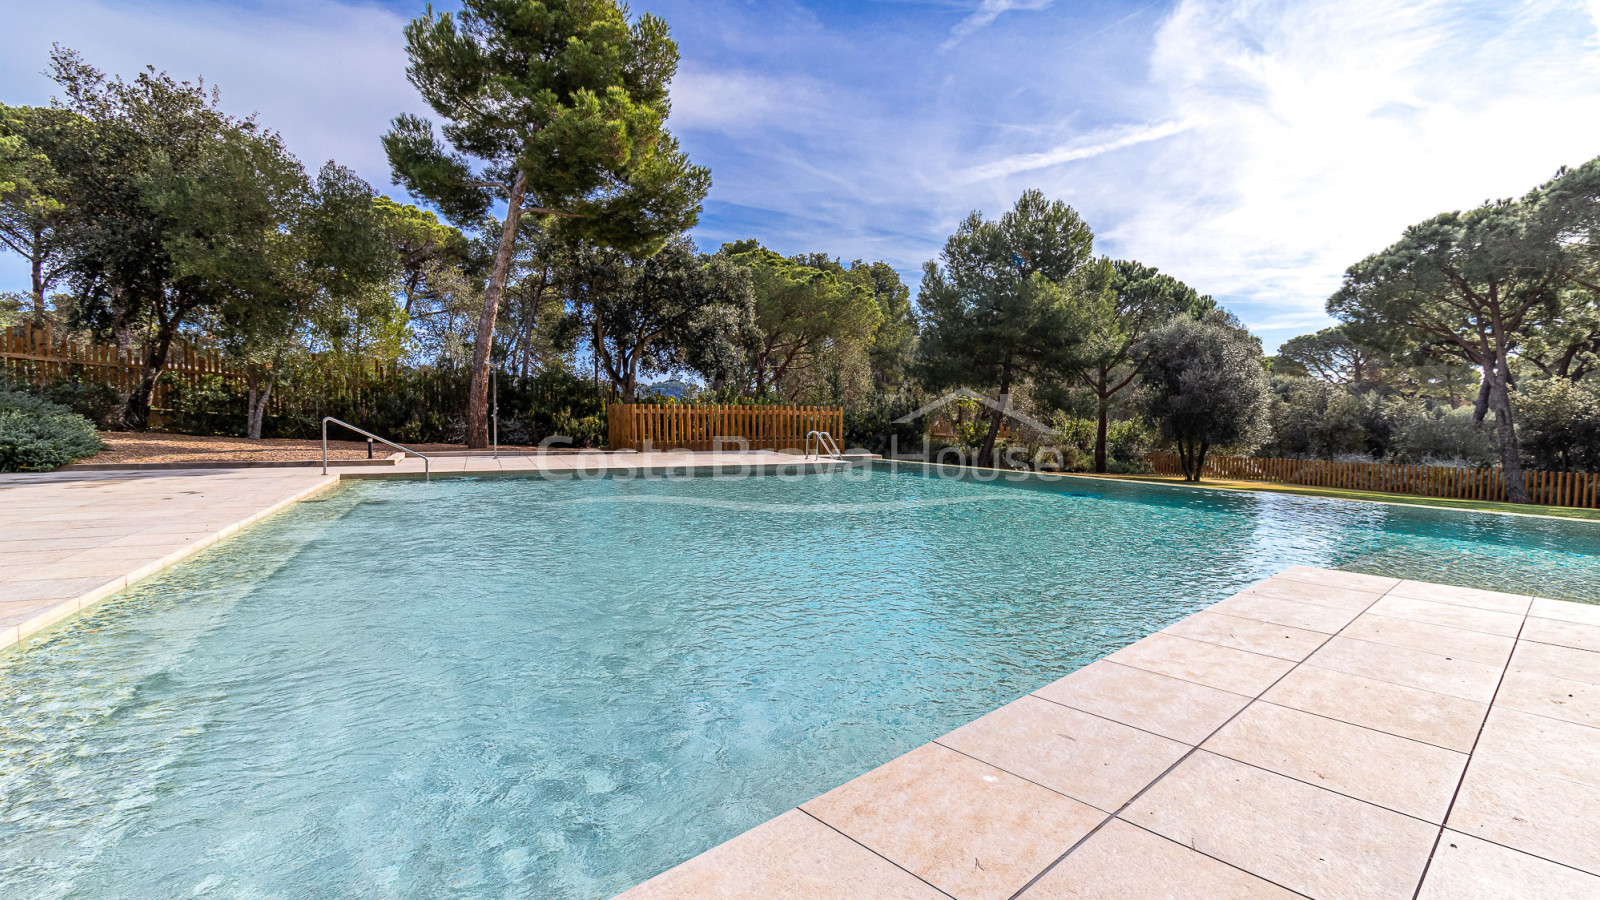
149	447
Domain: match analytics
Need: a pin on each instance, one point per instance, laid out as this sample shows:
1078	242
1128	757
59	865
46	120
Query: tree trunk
256	405
996	416
38	277
1481	407
1510	449
136	414
1102	415
478	392
1200	462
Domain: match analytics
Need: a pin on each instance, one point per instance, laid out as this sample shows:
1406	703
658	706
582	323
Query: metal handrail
825	441
426	463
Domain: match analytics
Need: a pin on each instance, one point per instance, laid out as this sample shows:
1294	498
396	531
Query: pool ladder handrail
825	441
426	463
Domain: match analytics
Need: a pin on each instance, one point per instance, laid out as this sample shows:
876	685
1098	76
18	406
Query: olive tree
1207	386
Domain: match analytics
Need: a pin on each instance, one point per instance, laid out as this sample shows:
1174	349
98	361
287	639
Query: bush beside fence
1575	489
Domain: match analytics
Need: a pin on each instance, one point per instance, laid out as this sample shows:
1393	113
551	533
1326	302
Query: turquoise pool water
513	687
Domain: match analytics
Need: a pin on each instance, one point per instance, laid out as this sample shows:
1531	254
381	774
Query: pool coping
1306	737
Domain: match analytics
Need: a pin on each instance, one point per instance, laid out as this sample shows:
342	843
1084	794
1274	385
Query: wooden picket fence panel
1575	489
636	426
38	355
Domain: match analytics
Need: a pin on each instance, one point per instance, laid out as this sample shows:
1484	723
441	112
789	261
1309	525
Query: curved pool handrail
825	441
426	463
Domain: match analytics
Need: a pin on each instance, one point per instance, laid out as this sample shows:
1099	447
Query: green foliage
37	435
805	306
1439	435
1012	301
32	194
1142	298
1314	418
670	311
1207	385
1128	441
1560	424
173	206
1334	356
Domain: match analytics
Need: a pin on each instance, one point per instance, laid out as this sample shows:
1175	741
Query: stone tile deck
1321	734
70	539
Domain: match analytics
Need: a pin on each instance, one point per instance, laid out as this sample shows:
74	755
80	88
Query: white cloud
1319	130
986	13
1084	148
738	102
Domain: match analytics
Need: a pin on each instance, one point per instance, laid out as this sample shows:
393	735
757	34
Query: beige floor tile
1410	668
1566	611
1337	578
1558	698
1425	716
1304	838
1526	810
1541	744
1121	862
1457	643
1101	762
1465	868
1281	641
969	829
1449	615
1562	634
1285	612
1393	772
1463	596
15	612
1315	594
1161	704
51	588
1561	662
792	857
1224	668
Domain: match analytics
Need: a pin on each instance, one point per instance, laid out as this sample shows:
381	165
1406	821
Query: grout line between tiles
1456	794
807	813
1157	780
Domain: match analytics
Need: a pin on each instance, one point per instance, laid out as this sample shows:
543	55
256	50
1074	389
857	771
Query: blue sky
1253	149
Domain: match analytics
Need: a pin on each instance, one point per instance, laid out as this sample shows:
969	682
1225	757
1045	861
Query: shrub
37	435
1312	418
1559	424
1128	444
869	423
1442	436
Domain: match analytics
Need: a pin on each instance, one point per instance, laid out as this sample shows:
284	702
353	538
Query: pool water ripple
515	687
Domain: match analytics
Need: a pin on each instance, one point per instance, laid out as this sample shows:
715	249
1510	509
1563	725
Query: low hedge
37	435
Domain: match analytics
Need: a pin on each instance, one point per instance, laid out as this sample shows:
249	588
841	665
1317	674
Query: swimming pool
491	687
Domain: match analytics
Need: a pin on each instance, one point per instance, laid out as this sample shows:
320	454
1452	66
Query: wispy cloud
1084	148
985	14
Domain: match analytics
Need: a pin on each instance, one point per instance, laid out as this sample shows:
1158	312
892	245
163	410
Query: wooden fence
1577	489
40	356
633	426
